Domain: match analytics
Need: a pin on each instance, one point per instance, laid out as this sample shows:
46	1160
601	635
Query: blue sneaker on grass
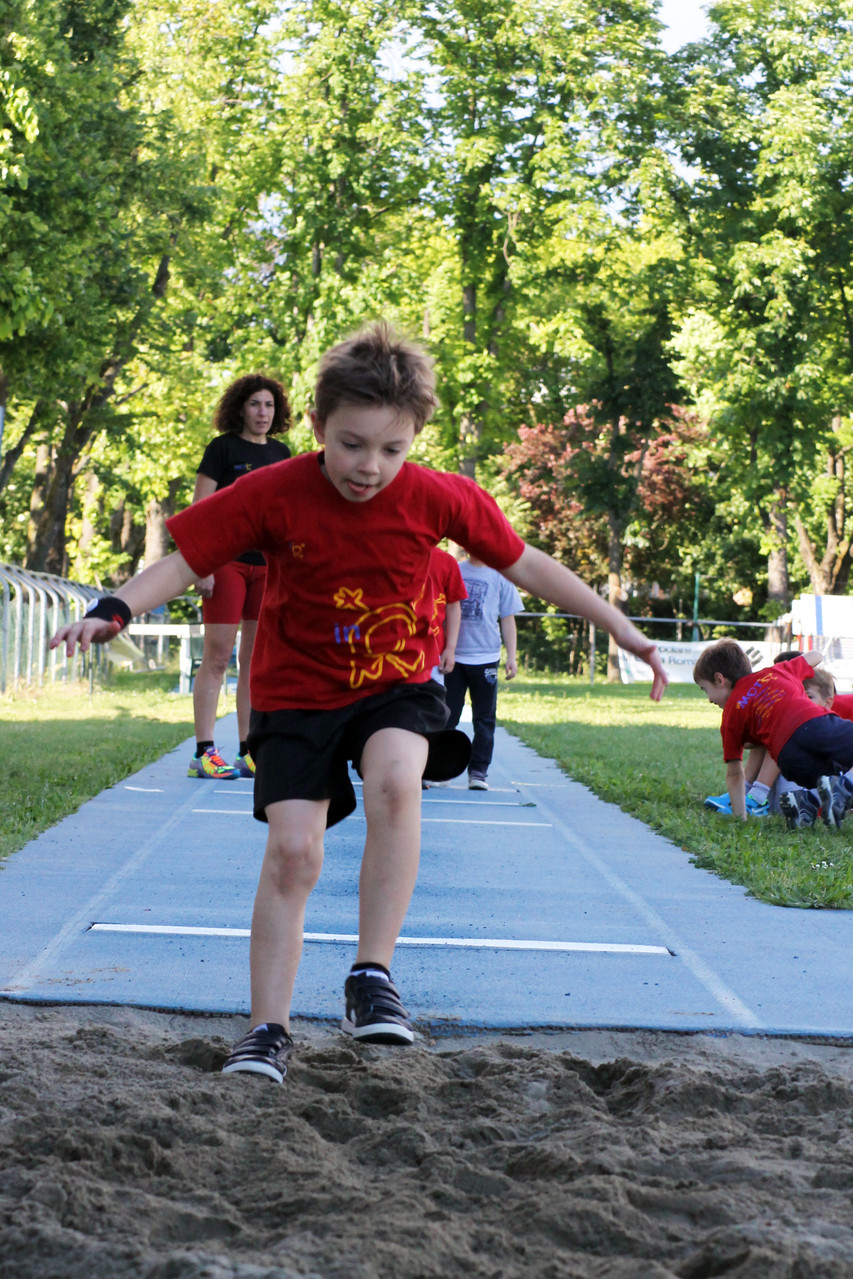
719	804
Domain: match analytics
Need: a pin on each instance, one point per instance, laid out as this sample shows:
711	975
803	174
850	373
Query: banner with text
679	658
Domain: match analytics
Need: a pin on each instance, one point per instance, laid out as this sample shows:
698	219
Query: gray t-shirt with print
490	597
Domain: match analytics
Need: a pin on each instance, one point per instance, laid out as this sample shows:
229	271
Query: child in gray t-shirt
487	621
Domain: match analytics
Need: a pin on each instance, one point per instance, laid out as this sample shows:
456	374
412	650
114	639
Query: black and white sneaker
266	1050
800	808
374	1013
833	800
477	781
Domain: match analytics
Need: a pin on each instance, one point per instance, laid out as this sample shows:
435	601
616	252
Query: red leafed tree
579	496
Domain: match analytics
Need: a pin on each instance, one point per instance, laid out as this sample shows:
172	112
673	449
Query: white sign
679	658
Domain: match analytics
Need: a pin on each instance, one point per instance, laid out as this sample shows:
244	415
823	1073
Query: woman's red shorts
238	589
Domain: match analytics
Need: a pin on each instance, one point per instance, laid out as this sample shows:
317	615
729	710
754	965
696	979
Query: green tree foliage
192	189
765	120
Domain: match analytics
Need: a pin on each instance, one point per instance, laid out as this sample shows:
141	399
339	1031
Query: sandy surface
566	1156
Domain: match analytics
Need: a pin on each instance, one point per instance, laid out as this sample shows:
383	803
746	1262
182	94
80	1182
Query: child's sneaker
847	790
477	781
211	764
833	800
266	1050
719	804
800	808
756	807
245	765
374	1013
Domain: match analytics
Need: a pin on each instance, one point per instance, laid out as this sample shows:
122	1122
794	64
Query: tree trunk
157	539
46	550
128	539
615	594
776	524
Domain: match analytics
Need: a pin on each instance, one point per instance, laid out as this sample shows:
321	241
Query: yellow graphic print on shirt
369	632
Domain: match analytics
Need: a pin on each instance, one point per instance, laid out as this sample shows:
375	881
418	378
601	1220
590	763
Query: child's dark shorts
304	754
821	745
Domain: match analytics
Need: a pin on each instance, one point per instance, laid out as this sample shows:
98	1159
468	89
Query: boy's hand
511	669
650	655
204	586
447	661
92	630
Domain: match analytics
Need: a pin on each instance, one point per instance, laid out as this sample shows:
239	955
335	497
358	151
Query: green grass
658	762
62	745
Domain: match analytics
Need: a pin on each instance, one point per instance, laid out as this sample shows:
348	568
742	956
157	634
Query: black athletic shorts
305	754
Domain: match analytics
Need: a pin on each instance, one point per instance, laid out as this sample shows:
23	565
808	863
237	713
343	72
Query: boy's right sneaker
800	808
266	1050
477	781
833	800
211	764
719	804
374	1013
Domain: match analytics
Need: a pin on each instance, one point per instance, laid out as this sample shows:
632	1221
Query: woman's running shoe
211	764
245	765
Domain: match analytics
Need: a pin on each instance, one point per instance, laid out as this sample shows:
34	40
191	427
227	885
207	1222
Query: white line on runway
497	803
477	821
147	790
481	943
234	812
436	821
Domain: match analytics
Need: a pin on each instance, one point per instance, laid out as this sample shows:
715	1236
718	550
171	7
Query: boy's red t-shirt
842	706
348	603
766	707
448	587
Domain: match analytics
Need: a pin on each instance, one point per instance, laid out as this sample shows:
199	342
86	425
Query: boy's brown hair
725	658
377	366
822	681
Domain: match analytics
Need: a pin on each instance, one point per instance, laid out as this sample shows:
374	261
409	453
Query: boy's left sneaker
756	807
245	765
719	804
266	1050
374	1012
833	800
477	781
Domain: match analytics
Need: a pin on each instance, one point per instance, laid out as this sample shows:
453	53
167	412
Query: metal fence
32	607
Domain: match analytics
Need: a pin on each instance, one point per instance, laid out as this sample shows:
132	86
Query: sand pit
588	1154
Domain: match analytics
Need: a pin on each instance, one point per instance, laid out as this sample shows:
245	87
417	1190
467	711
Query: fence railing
32	607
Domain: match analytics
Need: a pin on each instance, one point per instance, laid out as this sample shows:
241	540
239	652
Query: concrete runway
537	906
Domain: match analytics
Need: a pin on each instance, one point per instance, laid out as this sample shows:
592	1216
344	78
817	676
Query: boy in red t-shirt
771	708
341	664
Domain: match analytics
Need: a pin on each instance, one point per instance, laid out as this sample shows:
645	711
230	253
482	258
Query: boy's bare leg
291	867
392	765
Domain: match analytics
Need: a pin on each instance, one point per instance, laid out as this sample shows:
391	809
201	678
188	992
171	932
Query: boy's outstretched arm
736	786
544	577
155	585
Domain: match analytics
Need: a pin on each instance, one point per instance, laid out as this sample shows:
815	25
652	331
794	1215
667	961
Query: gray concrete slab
537	906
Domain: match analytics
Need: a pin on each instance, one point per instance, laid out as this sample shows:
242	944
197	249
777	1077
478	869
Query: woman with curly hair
253	409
